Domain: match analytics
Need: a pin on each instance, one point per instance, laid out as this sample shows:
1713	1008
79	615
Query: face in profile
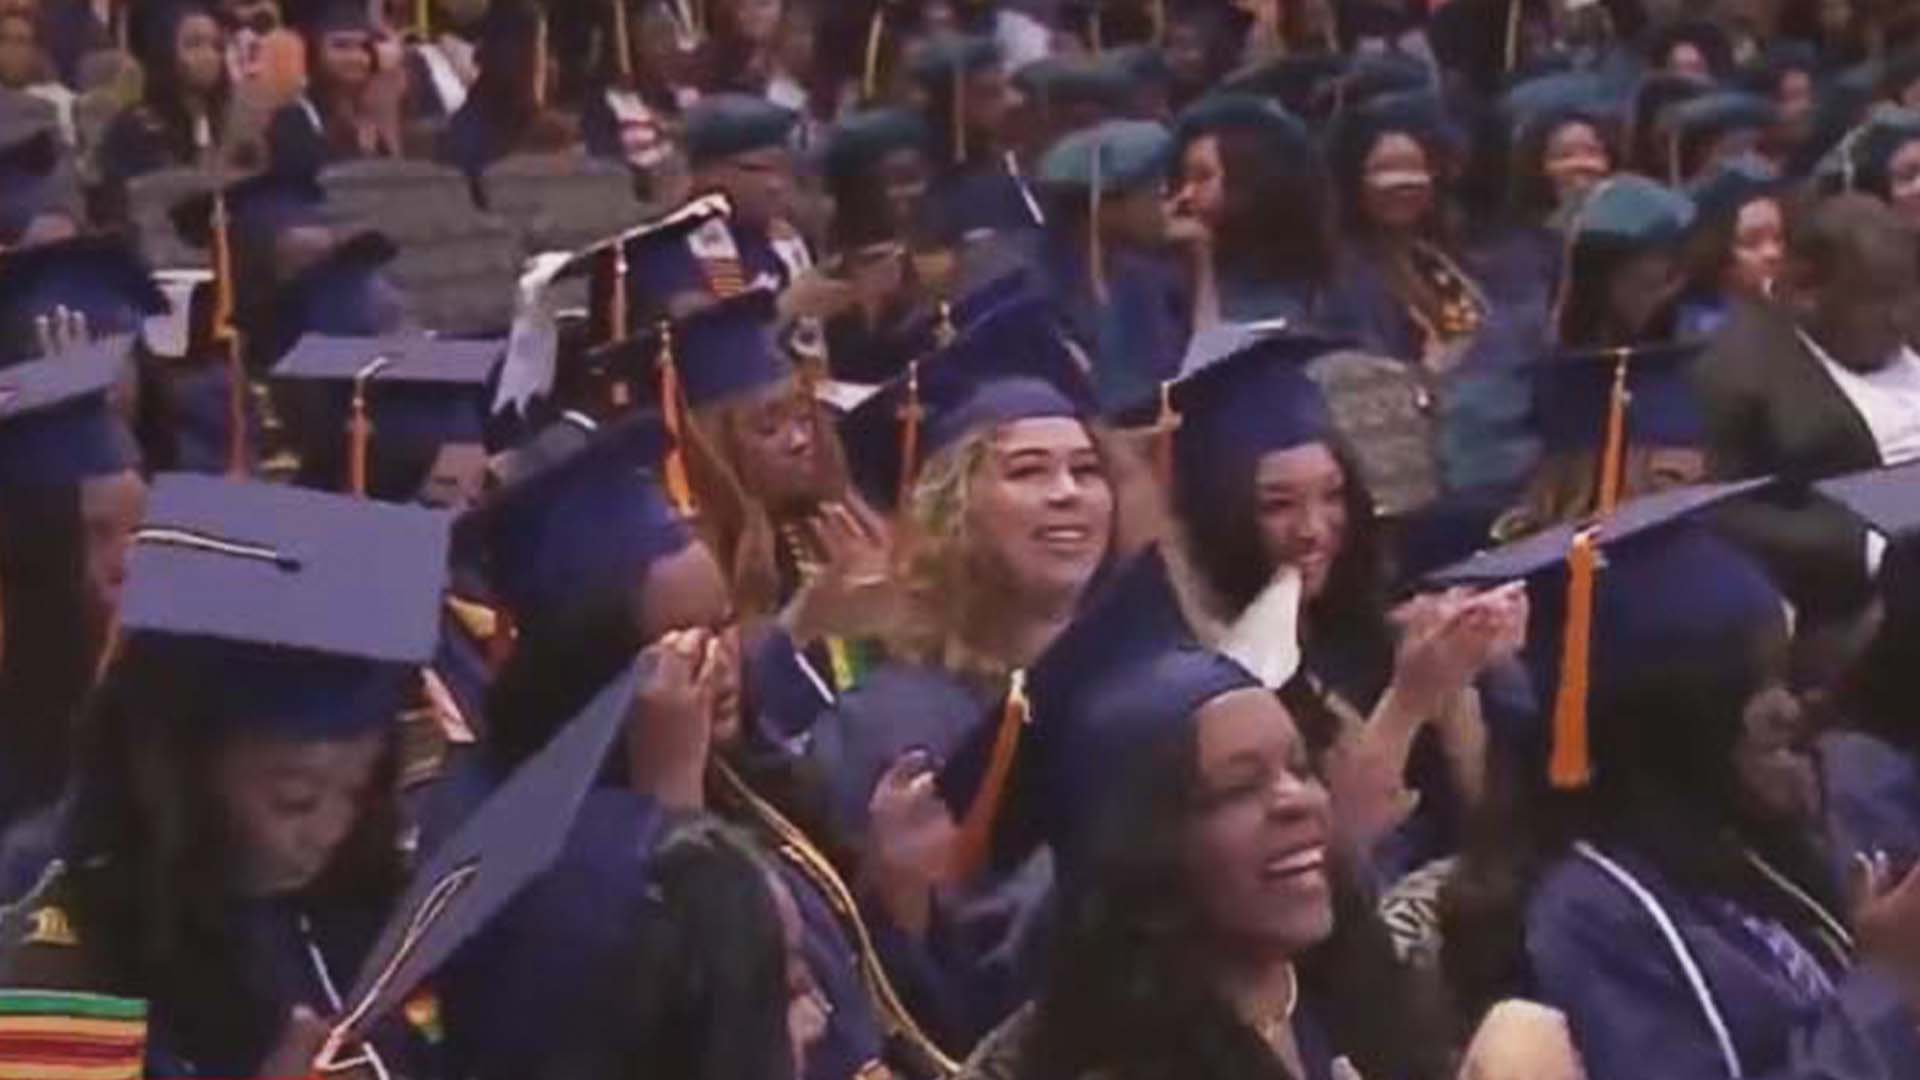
1040	506
1203	182
1258	837
1575	159
1759	247
776	431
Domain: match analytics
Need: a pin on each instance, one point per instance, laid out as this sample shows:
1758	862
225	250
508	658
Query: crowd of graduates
1003	539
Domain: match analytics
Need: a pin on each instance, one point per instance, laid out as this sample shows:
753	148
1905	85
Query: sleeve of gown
1599	958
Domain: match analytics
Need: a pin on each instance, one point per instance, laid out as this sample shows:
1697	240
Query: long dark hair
1877	693
703	994
53	638
1279	213
151	847
1533	198
1219	520
1585	317
164	94
1129	993
1665	788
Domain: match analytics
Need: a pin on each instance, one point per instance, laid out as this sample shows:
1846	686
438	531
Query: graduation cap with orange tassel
1010	363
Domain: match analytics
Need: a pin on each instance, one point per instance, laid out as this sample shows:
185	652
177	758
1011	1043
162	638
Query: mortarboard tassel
1096	252
622	56
1096	30
1164	426
360	427
974	841
959	114
1569	768
910	415
673	410
943	328
870	67
1613	451
228	337
1157	22
540	60
1511	50
423	19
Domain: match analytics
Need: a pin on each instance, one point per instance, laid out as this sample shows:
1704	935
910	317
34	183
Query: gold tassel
1673	158
1164	426
622	54
1512	50
673	410
423	19
870	70
959	114
227	336
1157	20
1570	767
1613	451
540	60
360	428
910	415
974	843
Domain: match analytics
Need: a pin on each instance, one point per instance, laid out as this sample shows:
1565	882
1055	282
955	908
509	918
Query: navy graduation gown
1873	797
979	197
1600	956
1136	338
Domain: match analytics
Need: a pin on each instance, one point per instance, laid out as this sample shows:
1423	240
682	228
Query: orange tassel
974	842
673	411
910	415
225	334
623	59
360	427
1570	767
1613	451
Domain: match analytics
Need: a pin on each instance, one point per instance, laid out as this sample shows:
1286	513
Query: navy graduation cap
934	325
1719	194
1537	106
1010	364
300	610
1112	157
34	181
722	125
716	353
1371	75
57	424
861	140
257	206
1218	112
1575	393
578	520
1697	122
510	839
1887	499
946	57
1066	82
96	276
381	408
1631	212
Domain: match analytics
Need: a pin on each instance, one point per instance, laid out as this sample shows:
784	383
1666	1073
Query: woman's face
1575	159
19	51
1759	247
1257	845
111	508
778	437
807	1007
347	58
1774	761
1396	183
200	49
903	176
292	803
1040	507
1203	182
1903	182
1638	289
758	21
1187	54
1793	98
1685	58
1300	495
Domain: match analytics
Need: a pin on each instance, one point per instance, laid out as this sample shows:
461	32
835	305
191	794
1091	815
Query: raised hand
670	732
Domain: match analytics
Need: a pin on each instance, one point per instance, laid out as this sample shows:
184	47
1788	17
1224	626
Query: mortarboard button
57	424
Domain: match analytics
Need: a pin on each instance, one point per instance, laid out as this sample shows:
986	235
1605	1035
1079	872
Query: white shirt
1887	399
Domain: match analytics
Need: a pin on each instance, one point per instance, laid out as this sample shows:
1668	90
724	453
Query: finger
909	767
43	334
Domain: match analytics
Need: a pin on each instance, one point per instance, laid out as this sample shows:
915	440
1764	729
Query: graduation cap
1699	120
579	521
941	68
510	839
723	125
342	293
934	324
861	140
1883	498
1301	83
96	276
1217	417
1219	112
1009	364
1704	36
1604	602
1724	189
154	29
1370	75
1780	58
1576	391
305	611
258	207
1537	107
1859	161
34	180
1113	158
1632	213
57	425
1067	82
392	400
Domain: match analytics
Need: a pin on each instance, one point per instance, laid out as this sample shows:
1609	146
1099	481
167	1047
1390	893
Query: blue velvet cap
861	139
1858	162
1730	185
918	333
1245	112
1302	84
306	614
1717	113
723	125
944	56
720	351
57	425
1370	75
1060	81
578	523
34	180
336	16
1010	364
1632	212
1537	106
98	276
1124	155
1572	391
